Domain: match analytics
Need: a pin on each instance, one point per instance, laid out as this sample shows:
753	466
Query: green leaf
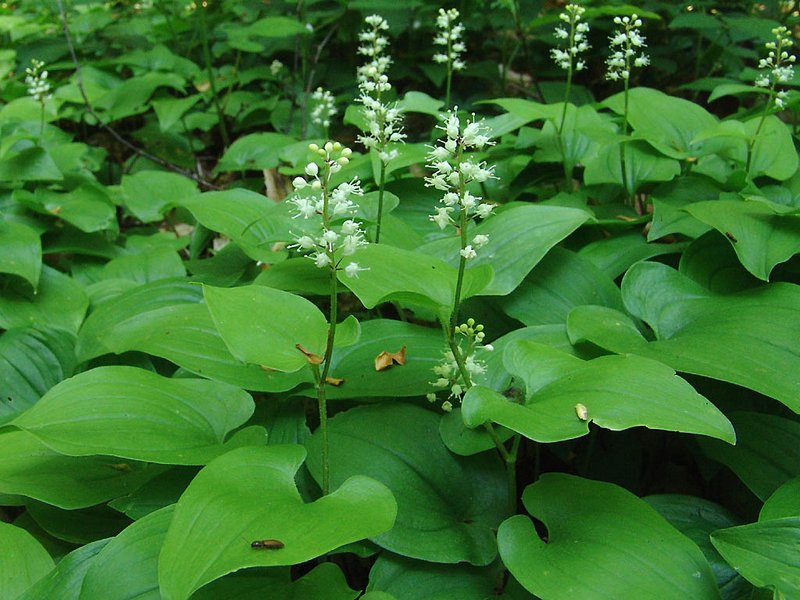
147	266
761	237
667	123
447	506
774	153
267	327
642	165
297	275
59	303
519	237
249	494
256	151
81	526
149	194
559	283
616	392
602	543
133	413
324	582
127	567
185	335
31	362
408	276
32	469
767	454
170	110
420	102
784	502
251	220
356	363
88	207
131	305
245	38
20	252
32	164
765	553
65	580
697	519
416	580
725	337
614	255
23	561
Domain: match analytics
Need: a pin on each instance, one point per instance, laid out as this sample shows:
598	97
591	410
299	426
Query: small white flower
352	269
468	252
275	67
567	58
626	45
449	36
480	240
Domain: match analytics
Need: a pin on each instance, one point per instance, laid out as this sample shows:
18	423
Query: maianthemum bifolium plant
496	314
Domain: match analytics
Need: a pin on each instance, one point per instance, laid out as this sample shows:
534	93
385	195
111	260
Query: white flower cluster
324	107
626	49
575	38
448	373
384	120
449	36
779	64
452	172
36	80
275	67
334	242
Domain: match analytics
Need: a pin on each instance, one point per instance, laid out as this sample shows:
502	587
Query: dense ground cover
338	299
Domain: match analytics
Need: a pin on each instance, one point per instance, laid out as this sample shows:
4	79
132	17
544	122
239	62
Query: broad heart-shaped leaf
559	283
416	580
603	543
767	454
23	561
249	494
614	255
65	581
88	207
132	413
408	276
32	164
131	305
31	362
267	327
669	124
642	164
356	363
766	553
748	338
784	502
324	582
519	237
254	151
29	468
583	131
617	392
20	251
251	220
59	303
185	334
447	506
148	194
774	153
128	566
761	237
697	518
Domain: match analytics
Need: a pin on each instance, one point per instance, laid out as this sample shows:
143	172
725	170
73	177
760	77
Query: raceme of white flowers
779	65
626	49
575	38
448	373
36	80
384	120
324	107
453	171
449	36
336	240
275	67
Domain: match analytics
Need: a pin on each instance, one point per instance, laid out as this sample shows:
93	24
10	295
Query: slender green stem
752	142
223	131
623	167
322	405
380	201
41	122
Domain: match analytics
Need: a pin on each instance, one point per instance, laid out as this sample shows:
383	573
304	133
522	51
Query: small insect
582	412
267	544
729	235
